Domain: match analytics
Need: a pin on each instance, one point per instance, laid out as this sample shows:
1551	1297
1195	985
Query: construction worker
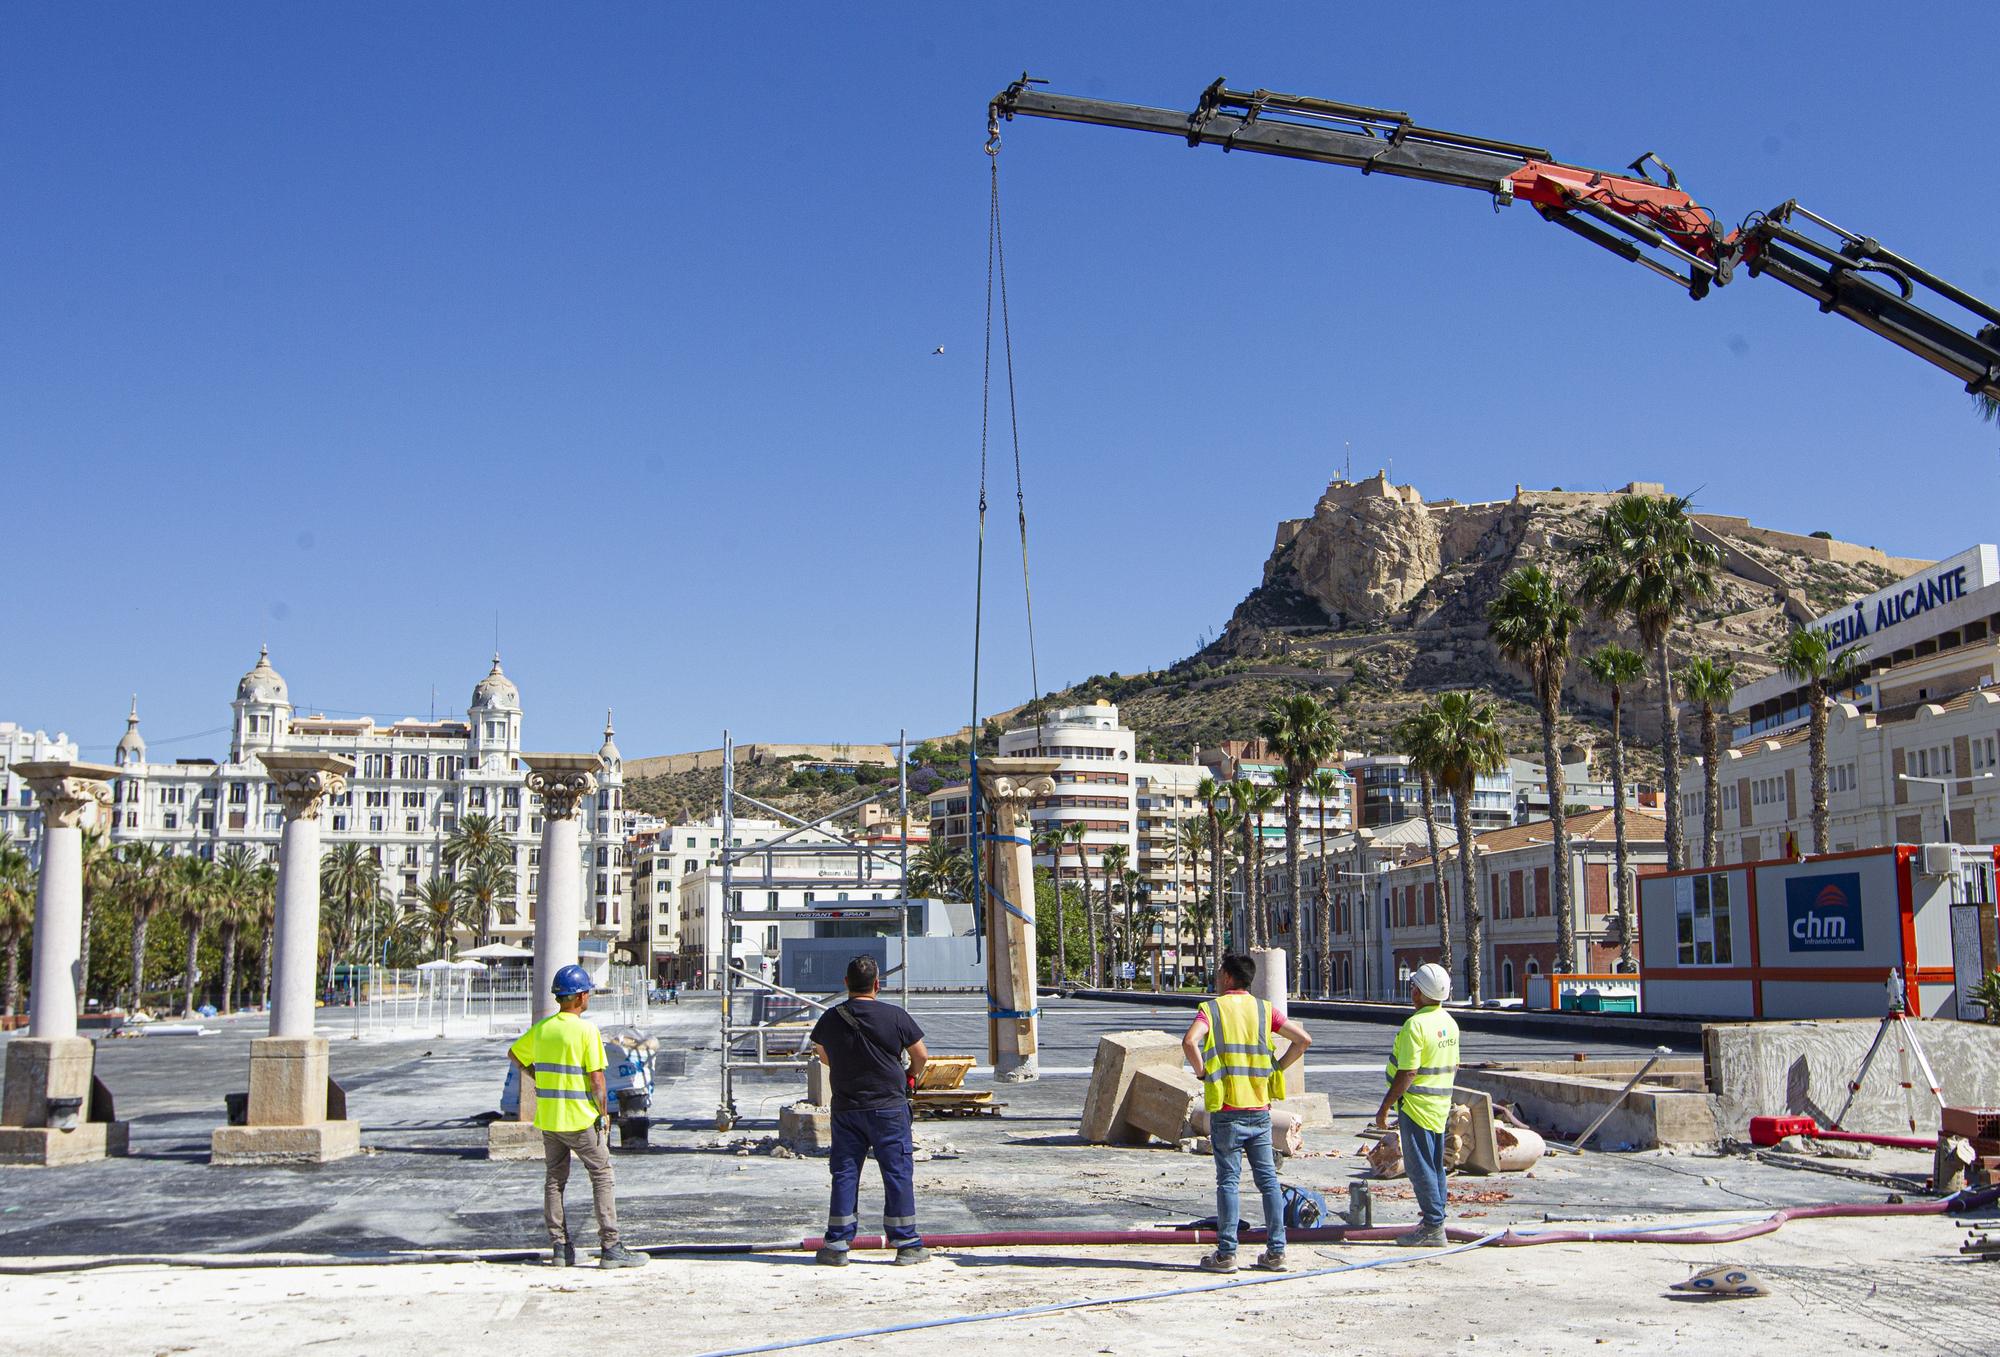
564	1054
1229	1047
863	1044
1421	1068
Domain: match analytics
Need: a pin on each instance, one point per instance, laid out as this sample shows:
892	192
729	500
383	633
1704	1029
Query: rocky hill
1378	599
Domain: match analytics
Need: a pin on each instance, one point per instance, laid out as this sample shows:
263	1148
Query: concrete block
1803	1068
251	1145
513	1140
41	1068
1120	1057
1313	1110
1160	1101
819	1084
805	1128
1564	1105
46	1147
288	1079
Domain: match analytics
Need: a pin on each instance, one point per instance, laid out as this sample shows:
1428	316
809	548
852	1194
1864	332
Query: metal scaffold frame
790	862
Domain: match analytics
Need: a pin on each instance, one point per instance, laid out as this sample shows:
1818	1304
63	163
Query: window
239	793
771	939
511	798
339	824
1934	761
375	824
412	824
1701	920
476	798
410	855
377	800
1985	752
170	821
413	799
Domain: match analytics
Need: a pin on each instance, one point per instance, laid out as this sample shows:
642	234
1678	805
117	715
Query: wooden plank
945	1072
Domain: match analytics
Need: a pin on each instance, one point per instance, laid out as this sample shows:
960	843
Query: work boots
562	1255
620	1256
1422	1237
911	1254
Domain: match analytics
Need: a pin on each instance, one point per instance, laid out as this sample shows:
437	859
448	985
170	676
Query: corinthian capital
70	794
303	781
561	780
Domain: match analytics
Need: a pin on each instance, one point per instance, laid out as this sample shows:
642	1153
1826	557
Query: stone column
51	1072
297	1114
1007	787
562	781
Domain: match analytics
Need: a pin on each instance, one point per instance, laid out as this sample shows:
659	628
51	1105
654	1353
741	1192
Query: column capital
561	780
303	781
66	790
1018	781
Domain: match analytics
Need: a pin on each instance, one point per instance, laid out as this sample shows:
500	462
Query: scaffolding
813	855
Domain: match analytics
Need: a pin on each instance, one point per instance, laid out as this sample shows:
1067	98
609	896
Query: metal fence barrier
483	1002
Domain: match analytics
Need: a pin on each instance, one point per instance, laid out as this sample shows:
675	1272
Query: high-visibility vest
1432	1049
563	1049
1240	1064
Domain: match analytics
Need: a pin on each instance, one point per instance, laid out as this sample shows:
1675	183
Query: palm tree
1193	845
1116	947
1214	797
440	907
194	898
1136	912
1263	800
937	872
1049	844
100	873
350	879
17	920
475	839
1806	658
1468	744
1613	666
1302	734
1530	621
142	882
236	905
1644	562
1709	684
1324	786
264	888
1415	738
484	885
1073	833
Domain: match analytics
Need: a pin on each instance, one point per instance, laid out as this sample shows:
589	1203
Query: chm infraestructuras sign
1823	912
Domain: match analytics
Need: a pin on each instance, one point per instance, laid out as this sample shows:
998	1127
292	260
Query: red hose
1962	1201
1870	1138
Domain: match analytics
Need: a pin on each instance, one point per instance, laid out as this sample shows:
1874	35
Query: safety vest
1240	1068
1427	1045
563	1049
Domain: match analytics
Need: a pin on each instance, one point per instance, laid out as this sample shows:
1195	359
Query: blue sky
347	328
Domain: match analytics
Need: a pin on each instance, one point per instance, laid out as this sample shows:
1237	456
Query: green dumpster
1593	1002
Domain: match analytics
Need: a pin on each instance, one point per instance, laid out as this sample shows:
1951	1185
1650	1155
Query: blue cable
1060	1306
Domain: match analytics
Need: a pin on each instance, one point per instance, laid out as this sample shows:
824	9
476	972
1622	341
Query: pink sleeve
1277	1020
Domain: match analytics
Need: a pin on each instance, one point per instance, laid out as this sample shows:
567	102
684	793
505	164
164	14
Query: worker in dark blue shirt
864	1044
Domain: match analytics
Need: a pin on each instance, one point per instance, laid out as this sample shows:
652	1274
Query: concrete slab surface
422	1182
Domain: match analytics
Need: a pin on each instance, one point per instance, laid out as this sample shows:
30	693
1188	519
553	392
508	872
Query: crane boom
1650	222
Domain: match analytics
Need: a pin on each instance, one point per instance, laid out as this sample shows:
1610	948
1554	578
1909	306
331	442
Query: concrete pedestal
288	1122
516	1137
43	1068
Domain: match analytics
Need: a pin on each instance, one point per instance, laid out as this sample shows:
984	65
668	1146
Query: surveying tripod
1895	1020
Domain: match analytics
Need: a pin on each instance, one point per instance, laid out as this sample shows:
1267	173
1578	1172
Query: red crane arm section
1671	211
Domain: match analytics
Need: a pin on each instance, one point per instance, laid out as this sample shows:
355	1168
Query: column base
1018	1069
46	1147
320	1143
513	1140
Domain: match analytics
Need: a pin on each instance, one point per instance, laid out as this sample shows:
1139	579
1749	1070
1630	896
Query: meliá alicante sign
1943	583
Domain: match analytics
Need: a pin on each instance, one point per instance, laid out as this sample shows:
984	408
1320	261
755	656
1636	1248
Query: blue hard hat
572	980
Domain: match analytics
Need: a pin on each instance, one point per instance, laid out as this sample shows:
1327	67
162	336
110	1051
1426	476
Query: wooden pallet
954	1102
943	1073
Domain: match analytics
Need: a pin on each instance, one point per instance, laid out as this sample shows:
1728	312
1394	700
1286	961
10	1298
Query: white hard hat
1433	982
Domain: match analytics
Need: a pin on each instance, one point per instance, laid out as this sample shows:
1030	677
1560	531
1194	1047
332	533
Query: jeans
886	1130
594	1150
1423	1160
1231	1134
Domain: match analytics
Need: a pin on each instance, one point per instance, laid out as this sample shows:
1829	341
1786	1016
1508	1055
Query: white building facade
20	818
413	782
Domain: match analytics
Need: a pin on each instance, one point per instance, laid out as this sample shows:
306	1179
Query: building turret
263	706
131	746
495	716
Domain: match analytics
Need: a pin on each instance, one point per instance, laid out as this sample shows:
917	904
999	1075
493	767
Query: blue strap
993	1012
1006	838
1007	904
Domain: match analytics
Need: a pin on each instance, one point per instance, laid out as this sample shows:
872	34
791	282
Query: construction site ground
422	1184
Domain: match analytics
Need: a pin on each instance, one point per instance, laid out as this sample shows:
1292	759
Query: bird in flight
938	350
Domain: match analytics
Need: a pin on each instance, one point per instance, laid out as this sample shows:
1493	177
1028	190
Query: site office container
1817	937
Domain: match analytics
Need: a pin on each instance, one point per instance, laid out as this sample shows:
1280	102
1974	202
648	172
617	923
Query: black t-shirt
865	1074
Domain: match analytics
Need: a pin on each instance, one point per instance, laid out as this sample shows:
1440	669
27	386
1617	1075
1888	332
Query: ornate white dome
131	745
609	754
262	683
496	690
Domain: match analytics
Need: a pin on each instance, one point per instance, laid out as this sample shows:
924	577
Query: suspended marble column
1007	787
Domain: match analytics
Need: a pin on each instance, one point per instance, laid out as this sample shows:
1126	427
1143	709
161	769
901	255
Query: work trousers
886	1131
1423	1160
594	1149
1232	1137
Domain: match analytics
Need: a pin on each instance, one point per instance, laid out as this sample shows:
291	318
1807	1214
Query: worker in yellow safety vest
1229	1047
1421	1068
564	1055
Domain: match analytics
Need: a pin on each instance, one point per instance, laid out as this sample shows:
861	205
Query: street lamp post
1943	784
